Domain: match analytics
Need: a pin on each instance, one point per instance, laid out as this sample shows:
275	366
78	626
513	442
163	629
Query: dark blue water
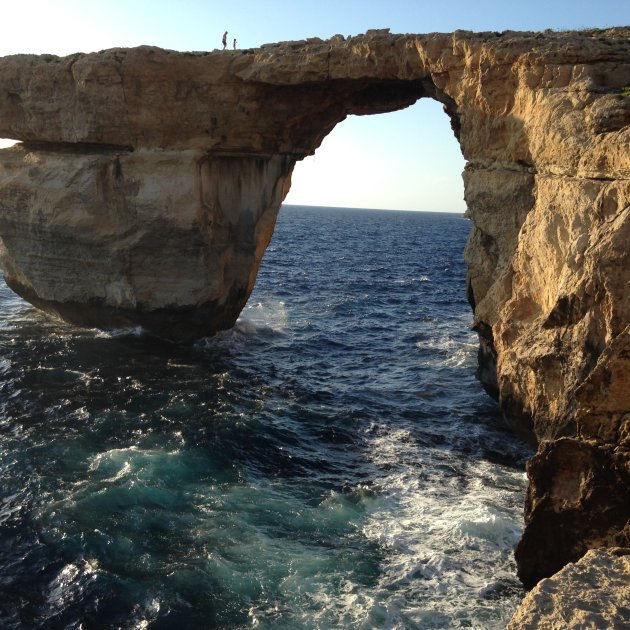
331	462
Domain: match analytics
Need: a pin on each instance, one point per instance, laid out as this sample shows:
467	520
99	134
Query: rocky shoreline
148	184
591	593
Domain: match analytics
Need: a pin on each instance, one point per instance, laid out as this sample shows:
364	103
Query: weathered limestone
149	181
577	500
593	593
165	239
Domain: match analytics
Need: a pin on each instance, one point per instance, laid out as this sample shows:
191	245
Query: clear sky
406	160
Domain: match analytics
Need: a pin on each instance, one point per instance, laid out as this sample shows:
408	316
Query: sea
329	462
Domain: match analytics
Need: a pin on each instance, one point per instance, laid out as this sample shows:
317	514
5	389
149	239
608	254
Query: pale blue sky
406	160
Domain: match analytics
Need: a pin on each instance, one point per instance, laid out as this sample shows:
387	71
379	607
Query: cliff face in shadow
148	183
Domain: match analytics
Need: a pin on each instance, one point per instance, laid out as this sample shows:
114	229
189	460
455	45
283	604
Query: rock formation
148	182
592	593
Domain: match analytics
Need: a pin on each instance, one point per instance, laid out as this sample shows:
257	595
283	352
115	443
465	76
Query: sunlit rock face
592	593
148	183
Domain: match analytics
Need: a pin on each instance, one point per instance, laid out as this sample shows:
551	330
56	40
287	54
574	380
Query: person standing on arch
234	44
224	40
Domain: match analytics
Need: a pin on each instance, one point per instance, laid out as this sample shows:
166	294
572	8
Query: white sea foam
411	280
447	351
269	314
70	581
114	463
255	318
440	536
462	354
121	460
130	331
444	545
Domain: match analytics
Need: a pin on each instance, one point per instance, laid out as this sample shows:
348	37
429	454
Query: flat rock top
257	100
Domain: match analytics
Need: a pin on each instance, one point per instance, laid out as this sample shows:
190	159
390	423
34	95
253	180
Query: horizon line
305	205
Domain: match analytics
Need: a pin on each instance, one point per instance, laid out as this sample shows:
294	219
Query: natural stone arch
119	207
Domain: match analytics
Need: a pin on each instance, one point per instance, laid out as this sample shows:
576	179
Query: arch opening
5	143
381	357
403	160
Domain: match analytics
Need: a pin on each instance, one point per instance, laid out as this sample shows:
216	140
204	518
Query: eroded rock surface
577	500
592	593
168	240
148	183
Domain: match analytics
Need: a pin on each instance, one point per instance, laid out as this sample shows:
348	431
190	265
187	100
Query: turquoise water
331	462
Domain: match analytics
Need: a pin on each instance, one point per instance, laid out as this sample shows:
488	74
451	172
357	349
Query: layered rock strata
148	183
166	239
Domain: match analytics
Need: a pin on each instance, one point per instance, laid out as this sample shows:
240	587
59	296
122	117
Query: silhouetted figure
224	40
234	44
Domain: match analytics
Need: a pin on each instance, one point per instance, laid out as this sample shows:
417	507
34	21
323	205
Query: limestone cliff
148	182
